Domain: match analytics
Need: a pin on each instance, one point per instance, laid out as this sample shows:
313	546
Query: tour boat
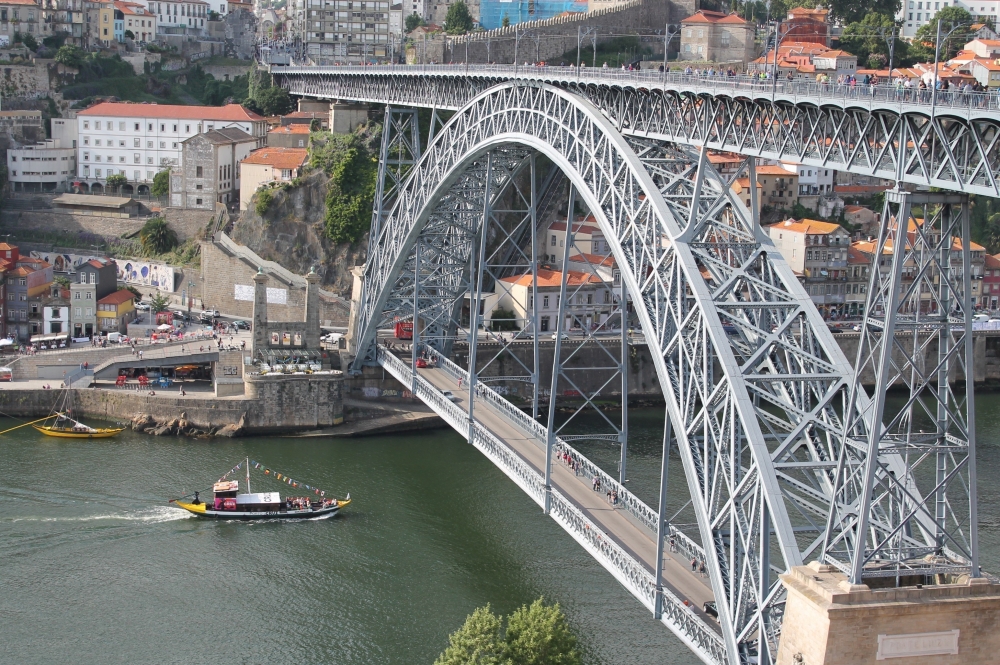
77	430
230	504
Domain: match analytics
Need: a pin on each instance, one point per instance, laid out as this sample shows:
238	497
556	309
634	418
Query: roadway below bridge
634	538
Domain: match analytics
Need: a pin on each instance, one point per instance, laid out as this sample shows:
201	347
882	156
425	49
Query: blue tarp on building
491	12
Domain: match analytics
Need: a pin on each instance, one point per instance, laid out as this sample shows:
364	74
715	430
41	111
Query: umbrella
165	327
6	342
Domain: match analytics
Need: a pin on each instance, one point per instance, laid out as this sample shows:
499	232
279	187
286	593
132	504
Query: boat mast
248	475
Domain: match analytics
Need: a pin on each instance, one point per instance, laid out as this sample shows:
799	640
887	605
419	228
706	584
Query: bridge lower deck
634	538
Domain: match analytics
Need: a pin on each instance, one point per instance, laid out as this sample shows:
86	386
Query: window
137	129
163	145
175	128
197	202
286	174
86	125
553	243
111	126
136	159
90	296
198	172
121	126
545	302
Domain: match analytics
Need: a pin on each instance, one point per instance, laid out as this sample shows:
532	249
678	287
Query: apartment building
139	140
136	19
779	186
94	280
44	167
179	17
269	165
818	252
346	30
591	301
709	36
64	17
20	16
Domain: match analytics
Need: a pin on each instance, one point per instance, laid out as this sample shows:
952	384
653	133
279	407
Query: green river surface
95	567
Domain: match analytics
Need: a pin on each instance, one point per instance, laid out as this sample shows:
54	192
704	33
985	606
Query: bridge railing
676	615
644	514
881	94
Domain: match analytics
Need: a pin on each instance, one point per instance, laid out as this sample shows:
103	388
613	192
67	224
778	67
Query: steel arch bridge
782	461
950	141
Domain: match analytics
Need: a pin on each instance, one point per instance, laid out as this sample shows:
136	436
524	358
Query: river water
96	568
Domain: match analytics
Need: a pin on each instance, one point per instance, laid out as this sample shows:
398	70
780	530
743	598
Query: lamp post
190	297
669	32
937	59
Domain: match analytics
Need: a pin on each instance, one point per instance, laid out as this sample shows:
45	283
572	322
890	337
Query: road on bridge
629	535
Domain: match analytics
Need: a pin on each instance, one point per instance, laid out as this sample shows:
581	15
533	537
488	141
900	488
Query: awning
52	337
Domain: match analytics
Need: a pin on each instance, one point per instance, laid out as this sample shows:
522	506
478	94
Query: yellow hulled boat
79	431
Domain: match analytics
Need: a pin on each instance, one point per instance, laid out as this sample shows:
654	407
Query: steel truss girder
902	521
959	149
754	415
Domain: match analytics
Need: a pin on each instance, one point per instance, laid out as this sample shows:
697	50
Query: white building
591	301
812	181
55	318
915	13
44	167
179	16
139	140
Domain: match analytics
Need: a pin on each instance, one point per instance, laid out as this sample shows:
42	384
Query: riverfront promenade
637	540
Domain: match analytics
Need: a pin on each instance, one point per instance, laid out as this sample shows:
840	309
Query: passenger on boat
196	501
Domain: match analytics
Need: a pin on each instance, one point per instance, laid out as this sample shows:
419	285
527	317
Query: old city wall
549	39
54	220
271	405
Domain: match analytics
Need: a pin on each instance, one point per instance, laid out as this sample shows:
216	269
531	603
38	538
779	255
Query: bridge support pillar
829	621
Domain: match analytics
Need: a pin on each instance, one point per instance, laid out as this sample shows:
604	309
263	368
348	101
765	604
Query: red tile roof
117	298
770	169
578	227
707	16
806	226
593	259
553	278
290	129
229	112
279	158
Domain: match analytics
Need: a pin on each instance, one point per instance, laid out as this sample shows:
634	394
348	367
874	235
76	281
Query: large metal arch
644	201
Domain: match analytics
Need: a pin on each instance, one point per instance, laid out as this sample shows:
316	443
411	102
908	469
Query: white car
450	396
211	312
565	335
142	306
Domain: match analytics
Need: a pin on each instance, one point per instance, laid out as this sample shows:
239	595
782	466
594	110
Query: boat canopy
263	497
226	486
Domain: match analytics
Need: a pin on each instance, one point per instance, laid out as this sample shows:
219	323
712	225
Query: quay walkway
622	537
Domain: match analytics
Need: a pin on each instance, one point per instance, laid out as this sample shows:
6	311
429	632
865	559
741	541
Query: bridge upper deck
475	78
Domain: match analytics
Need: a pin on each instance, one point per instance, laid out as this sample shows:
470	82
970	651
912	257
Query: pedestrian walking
694	564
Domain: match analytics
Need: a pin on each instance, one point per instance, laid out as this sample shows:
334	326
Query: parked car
242	325
142	306
565	335
211	313
981	317
205	317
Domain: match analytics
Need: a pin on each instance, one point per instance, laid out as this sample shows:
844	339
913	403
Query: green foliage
61	281
158	303
136	292
984	222
458	21
129	34
116	181
536	635
351	196
156	237
27	39
265	98
161	183
850	11
505	21
862	38
477	642
264	199
69	55
503	319
413	21
55	41
923	43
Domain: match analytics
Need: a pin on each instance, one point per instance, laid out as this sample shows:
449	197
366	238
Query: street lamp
669	32
190	295
937	58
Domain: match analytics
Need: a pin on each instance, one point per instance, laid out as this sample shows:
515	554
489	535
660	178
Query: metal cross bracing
952	143
755	384
916	520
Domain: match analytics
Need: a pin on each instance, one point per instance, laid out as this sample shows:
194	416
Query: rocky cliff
291	233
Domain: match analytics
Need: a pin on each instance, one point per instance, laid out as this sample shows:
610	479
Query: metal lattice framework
949	141
753	379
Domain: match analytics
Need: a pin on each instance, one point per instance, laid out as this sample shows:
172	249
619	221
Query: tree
850	11
414	21
274	101
158	304
926	37
161	183
458	21
535	635
539	635
69	55
116	181
478	641
864	40
156	237
350	196
505	21
27	39
136	292
129	35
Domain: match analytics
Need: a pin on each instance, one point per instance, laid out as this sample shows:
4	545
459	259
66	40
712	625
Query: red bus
404	330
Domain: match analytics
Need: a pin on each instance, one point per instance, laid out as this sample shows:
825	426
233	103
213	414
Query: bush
69	55
458	21
264	199
413	21
116	181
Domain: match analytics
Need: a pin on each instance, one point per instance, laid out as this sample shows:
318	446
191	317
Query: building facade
779	186
139	140
269	165
346	31
116	311
94	280
818	252
716	37
184	17
591	300
209	172
44	167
